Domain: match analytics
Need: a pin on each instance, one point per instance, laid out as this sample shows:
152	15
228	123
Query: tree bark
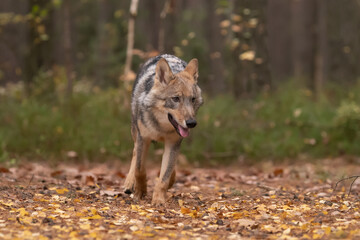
101	36
279	40
68	48
303	39
131	34
321	46
216	75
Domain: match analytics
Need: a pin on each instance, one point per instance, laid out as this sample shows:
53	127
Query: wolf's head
178	94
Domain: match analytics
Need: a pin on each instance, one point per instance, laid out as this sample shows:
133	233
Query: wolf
164	103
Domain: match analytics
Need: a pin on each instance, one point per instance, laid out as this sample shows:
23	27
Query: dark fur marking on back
141	116
149	83
144	68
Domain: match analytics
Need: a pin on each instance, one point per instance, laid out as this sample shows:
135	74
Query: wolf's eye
175	99
193	100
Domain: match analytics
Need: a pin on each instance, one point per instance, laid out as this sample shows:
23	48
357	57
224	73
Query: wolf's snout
191	123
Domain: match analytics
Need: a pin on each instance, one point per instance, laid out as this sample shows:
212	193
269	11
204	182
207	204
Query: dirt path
262	201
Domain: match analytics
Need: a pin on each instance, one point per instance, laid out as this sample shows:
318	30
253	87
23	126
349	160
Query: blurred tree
13	39
303	39
128	75
321	46
215	49
279	40
101	48
242	45
68	48
248	47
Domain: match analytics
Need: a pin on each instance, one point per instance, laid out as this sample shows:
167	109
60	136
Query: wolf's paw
159	199
139	194
129	185
158	202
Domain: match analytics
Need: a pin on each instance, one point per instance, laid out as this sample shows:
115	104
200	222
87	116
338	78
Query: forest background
280	77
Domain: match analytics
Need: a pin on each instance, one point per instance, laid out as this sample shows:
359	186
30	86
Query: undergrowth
95	124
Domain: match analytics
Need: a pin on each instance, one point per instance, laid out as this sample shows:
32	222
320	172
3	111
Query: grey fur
170	104
145	81
149	115
172	161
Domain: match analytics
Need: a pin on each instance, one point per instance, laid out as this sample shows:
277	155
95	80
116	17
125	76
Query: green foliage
348	119
95	124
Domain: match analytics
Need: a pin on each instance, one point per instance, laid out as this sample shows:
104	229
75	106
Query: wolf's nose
191	123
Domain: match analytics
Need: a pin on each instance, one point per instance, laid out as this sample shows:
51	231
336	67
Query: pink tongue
184	132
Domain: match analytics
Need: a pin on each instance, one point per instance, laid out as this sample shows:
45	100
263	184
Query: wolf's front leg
167	173
136	179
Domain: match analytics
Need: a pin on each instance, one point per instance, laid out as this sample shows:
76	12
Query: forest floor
262	201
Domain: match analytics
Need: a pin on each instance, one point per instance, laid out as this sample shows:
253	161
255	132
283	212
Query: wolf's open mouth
184	132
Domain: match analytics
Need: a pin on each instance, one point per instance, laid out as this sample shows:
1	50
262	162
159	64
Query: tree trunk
68	47
131	34
303	39
216	75
279	39
321	46
101	36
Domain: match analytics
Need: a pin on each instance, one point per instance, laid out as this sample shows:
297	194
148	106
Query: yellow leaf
93	211
287	231
317	236
237	215
97	216
8	204
41	237
61	190
185	210
93	235
344	207
23	212
261	208
27	220
27	234
306	236
286	207
85	226
181	202
73	234
134	207
193	213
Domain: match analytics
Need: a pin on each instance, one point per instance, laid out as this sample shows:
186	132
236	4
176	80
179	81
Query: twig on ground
344	179
32	177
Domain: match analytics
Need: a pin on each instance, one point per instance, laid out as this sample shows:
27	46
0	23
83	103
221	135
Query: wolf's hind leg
136	179
129	185
167	172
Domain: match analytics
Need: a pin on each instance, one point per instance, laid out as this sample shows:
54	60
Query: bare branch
344	179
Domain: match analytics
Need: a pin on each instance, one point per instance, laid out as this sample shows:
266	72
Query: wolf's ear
192	68
163	72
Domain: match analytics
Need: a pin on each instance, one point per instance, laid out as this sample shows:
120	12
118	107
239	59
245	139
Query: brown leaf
278	172
4	170
56	173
